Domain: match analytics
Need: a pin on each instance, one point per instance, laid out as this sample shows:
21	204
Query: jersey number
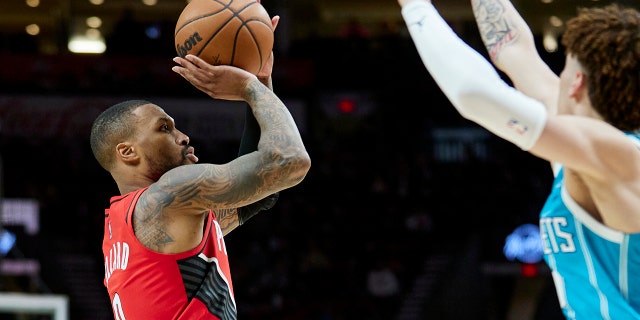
118	313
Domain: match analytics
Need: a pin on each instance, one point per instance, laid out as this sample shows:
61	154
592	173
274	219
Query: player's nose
182	139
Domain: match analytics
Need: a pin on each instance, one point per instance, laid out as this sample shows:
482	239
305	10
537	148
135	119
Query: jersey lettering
221	246
118	259
554	238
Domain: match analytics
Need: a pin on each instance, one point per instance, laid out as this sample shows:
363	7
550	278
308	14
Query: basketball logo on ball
225	32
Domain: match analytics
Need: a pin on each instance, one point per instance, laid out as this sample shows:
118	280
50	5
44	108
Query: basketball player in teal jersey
584	122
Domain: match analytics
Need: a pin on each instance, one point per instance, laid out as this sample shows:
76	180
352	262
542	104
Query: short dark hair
606	42
111	127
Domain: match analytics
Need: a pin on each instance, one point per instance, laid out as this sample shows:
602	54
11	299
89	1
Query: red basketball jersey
144	284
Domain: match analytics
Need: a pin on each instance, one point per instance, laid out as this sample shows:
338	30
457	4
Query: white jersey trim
624	268
587	220
635	140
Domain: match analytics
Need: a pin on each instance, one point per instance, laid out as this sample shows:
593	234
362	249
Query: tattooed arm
280	162
172	208
510	44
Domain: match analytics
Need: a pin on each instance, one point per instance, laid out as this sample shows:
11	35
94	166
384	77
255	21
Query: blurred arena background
409	211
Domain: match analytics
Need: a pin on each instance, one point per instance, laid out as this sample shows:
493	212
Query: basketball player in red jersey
165	256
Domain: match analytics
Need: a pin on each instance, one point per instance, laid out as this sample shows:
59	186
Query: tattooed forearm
279	133
496	29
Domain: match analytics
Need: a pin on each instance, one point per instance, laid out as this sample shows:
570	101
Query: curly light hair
606	42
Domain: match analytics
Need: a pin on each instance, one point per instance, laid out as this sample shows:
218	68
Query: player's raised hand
219	82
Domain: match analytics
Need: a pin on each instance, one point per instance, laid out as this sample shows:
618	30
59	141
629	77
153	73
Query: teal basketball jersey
596	269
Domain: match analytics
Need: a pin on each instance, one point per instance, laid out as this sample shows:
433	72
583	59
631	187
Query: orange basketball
226	32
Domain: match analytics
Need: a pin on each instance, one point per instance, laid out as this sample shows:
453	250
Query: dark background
399	183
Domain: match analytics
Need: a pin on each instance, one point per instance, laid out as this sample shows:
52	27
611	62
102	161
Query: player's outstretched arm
592	147
470	81
511	47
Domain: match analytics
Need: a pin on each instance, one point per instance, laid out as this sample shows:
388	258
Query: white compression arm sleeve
470	81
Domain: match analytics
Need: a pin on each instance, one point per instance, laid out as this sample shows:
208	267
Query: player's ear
127	154
578	87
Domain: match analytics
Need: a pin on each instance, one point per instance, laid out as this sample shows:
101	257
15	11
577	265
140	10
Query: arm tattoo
148	223
196	189
227	218
280	135
495	28
151	222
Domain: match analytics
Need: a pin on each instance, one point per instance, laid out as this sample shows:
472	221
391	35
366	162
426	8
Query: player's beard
158	167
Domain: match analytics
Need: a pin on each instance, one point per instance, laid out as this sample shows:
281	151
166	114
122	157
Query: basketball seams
244	22
246	32
222	26
251	33
235	43
253	36
239	30
224	7
256	20
192	20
